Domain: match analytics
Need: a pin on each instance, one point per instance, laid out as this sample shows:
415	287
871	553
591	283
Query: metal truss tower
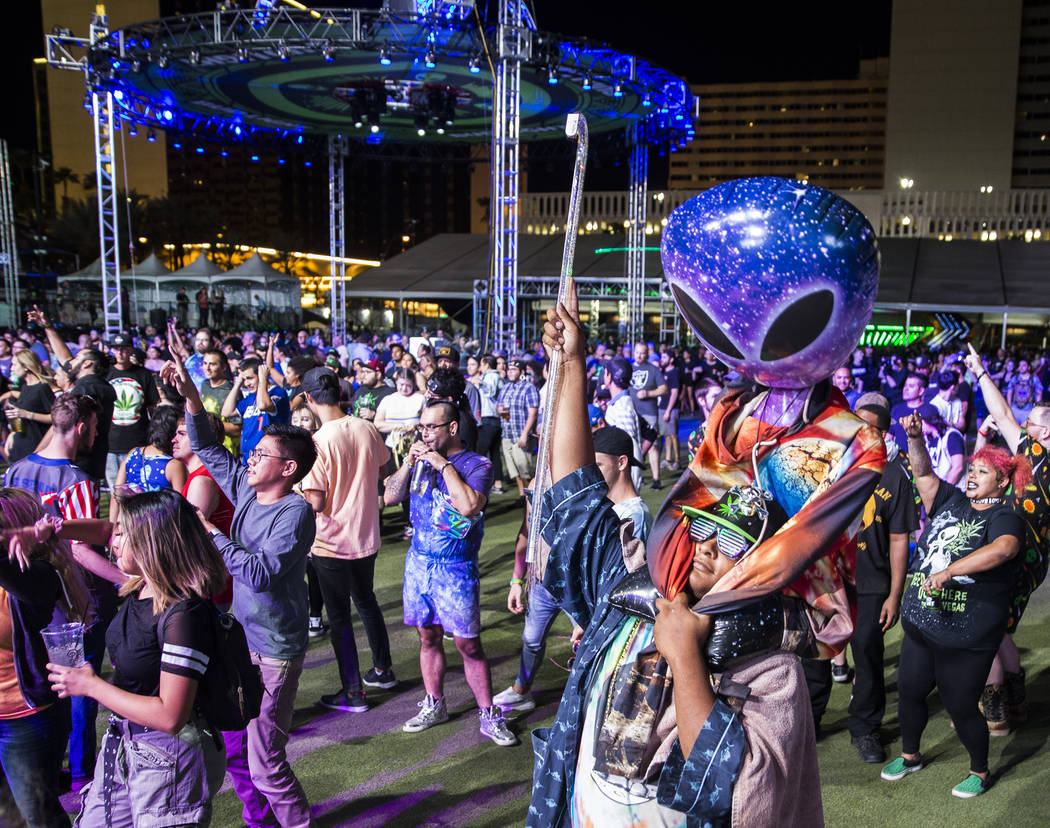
513	43
337	147
105	171
8	244
636	214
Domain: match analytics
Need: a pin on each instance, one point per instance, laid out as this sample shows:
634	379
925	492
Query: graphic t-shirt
212	398
971	610
439	531
369	397
254	420
890	510
139	655
645	376
136	391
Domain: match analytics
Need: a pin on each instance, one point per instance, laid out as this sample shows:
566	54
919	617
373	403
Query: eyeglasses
426	428
259	454
731	544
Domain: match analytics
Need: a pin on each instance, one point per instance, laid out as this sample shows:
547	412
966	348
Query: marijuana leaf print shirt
971	610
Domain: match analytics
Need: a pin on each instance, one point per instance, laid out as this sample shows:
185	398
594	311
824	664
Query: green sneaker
901	767
970	787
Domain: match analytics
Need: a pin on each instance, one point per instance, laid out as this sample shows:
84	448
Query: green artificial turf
362	770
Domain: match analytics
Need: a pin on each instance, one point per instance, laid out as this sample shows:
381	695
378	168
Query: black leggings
959	676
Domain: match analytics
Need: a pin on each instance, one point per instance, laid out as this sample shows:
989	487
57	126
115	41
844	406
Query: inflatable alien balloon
776	277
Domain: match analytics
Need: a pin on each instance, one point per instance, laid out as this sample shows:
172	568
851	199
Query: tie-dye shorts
444	593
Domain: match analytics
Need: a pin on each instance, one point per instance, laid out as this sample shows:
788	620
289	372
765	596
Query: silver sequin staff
575	124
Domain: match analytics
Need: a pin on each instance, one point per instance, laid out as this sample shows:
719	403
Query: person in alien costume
686	704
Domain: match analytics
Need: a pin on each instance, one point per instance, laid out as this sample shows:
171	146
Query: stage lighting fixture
430	60
133	130
255	158
384	58
151	136
242	54
308	163
328	52
474	65
118	95
440	130
374	128
647	101
281	161
420	132
176	144
552	76
282	50
167	115
586	85
618	91
224	152
420	121
162	61
195	56
359	123
136	65
200	150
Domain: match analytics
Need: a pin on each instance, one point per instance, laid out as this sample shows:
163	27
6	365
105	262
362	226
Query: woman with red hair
956	600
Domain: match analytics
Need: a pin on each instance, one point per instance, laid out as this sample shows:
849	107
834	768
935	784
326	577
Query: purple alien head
778	278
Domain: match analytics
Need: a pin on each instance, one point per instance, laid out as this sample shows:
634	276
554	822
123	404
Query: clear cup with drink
65	644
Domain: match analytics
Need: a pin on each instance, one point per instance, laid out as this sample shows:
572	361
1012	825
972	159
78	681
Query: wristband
442	469
983	375
517	581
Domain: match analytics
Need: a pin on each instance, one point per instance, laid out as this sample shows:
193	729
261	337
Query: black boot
993	706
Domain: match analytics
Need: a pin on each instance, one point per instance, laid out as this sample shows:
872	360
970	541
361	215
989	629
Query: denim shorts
442	592
156	779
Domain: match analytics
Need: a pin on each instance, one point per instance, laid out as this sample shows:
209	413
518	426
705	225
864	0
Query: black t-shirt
369	397
890	510
36	398
673	379
971	610
136	392
139	656
94	463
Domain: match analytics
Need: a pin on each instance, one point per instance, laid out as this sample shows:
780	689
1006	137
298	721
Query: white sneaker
495	728
432	711
317	627
510	701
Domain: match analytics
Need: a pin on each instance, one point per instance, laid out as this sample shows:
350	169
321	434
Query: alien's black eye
704	325
798	325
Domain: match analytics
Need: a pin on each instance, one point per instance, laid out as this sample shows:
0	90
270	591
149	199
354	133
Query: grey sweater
266	553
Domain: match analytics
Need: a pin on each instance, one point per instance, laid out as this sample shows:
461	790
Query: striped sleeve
188	643
79	501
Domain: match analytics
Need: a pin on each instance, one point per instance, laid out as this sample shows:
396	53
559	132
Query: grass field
362	770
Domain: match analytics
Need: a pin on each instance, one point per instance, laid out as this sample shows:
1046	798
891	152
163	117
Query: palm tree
64	176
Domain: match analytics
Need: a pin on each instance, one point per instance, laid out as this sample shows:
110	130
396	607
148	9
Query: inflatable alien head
778	278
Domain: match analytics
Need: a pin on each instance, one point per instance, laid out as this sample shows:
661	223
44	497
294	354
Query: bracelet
983	375
517	581
442	469
983	433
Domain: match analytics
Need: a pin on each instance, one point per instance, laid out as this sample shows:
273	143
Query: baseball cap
594	414
615	441
946	379
447	352
930	414
620	371
313	381
747	511
374	364
121	340
517	363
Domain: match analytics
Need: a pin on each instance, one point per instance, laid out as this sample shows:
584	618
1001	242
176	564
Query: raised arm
922	468
998	407
58	345
571	445
263	400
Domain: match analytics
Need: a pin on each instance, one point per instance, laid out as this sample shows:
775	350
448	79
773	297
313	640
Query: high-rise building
1031	158
829	132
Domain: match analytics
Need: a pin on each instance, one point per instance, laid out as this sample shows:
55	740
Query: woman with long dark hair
158	756
37	573
152	466
956	600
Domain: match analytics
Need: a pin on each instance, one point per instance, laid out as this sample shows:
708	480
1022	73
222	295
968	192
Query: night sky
701	41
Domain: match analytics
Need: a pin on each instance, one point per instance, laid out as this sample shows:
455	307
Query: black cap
747	510
447	352
313	383
615	441
121	340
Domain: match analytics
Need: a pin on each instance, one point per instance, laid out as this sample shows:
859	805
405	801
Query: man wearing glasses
449	489
270	535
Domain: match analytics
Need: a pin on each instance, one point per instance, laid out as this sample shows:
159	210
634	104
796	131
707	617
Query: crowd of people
254	469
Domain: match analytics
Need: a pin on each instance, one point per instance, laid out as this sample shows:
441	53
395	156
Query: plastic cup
65	644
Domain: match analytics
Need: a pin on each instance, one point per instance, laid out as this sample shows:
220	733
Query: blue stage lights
384	58
254	157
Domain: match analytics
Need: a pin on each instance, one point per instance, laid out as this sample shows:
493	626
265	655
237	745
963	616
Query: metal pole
337	235
513	45
636	215
8	242
1002	338
575	125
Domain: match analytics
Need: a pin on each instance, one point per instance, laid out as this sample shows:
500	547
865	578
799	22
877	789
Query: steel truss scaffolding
8	244
501	305
337	147
634	324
